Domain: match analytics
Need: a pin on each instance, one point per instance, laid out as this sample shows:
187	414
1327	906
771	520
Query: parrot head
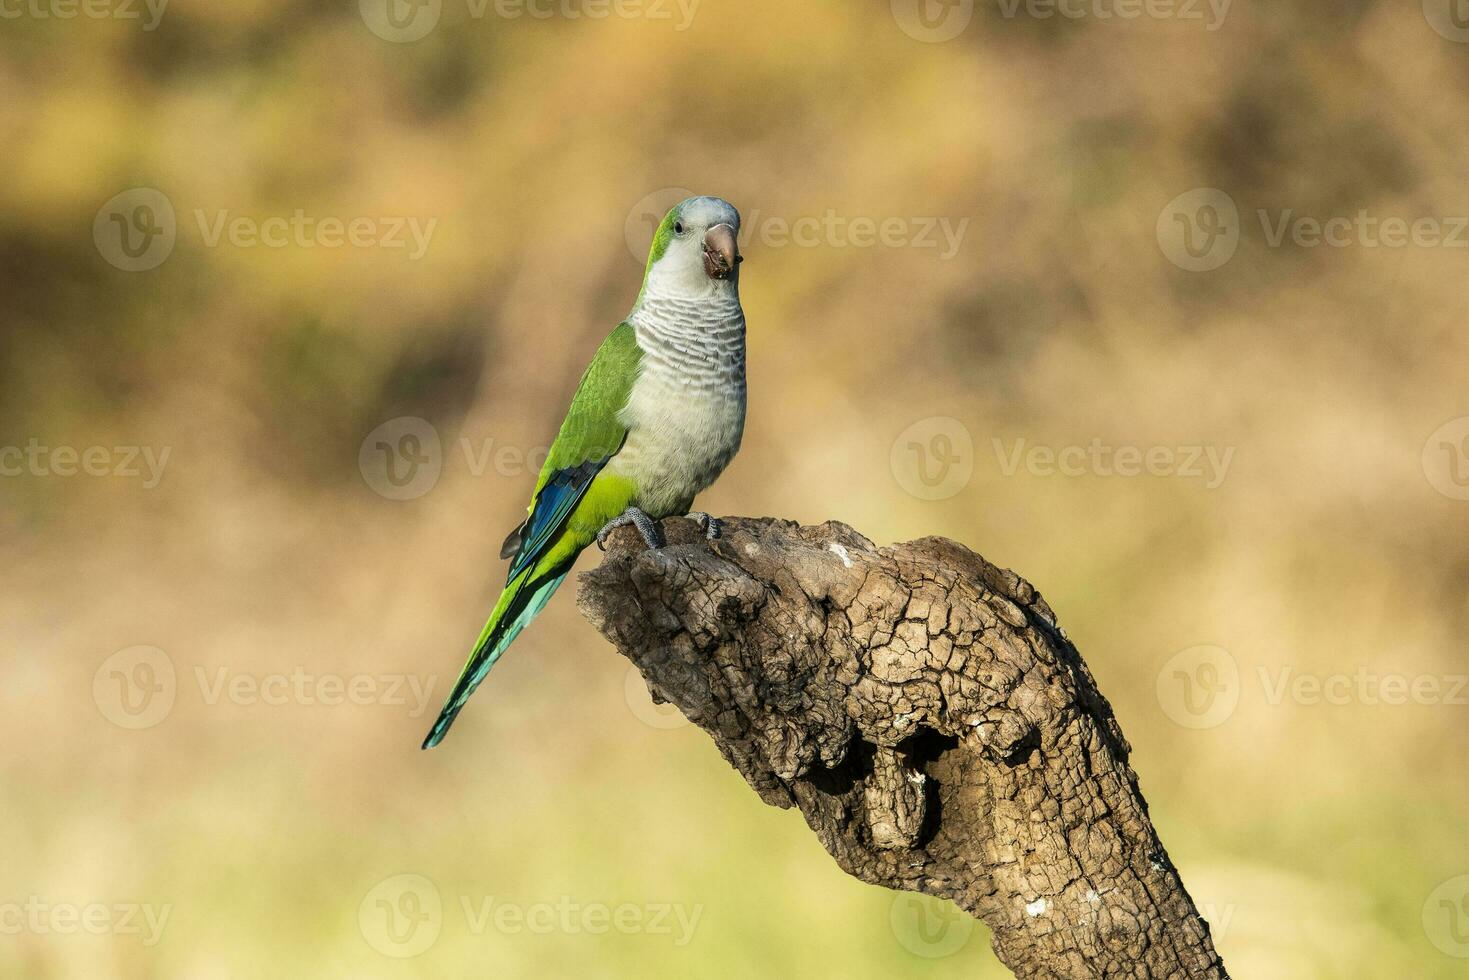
696	248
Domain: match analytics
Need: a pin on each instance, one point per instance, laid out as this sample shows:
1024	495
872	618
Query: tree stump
930	720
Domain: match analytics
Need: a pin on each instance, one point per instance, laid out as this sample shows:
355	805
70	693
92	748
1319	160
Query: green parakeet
657	416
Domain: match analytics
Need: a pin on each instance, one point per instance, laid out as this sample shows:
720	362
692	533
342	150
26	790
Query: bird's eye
678	227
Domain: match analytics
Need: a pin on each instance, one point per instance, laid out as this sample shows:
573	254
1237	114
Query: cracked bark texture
929	719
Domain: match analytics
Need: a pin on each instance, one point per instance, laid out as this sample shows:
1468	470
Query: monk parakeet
657	416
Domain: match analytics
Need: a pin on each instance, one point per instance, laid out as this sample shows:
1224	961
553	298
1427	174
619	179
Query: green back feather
593	429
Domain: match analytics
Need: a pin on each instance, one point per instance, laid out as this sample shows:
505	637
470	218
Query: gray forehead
709	211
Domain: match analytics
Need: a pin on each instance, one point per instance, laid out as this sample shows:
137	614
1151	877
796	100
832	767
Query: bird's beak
721	252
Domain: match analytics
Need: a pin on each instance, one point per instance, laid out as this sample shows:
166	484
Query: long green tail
523	599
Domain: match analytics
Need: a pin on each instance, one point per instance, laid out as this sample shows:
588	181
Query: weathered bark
929	718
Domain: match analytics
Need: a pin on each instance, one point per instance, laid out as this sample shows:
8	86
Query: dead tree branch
930	720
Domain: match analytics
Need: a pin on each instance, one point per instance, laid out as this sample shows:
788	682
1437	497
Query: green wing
591	435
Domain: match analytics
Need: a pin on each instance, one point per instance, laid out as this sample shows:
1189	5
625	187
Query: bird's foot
647	527
712	526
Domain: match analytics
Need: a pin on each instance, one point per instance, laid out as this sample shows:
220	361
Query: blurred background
1161	305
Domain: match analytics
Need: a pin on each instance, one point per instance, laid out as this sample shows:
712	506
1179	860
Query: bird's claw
713	526
646	526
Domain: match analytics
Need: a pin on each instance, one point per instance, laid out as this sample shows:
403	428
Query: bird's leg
711	524
647	527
